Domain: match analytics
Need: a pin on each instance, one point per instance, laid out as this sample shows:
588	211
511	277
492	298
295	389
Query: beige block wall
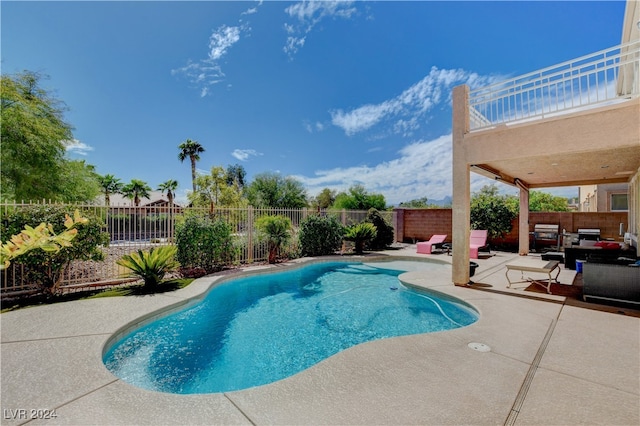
420	224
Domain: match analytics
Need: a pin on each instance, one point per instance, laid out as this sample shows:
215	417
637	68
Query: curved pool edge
208	282
411	279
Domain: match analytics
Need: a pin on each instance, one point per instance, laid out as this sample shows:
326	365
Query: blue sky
333	93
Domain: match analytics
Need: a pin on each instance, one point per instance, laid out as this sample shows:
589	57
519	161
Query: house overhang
601	145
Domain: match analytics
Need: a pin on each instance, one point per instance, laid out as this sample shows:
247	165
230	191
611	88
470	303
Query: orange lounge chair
477	241
434	242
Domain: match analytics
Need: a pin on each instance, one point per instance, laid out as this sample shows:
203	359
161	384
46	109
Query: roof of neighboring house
155	198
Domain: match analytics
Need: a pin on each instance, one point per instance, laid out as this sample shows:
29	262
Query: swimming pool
259	329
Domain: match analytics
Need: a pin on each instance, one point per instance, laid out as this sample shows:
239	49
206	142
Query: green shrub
361	234
204	243
291	250
491	211
46	269
384	235
41	237
320	235
276	230
150	265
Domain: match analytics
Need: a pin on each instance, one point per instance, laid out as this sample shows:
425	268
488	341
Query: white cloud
362	118
202	74
221	40
205	73
181	196
315	127
307	14
409	107
312	11
421	169
293	45
252	10
244	154
77	147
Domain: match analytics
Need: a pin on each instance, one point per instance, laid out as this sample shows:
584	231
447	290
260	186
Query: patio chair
435	242
477	242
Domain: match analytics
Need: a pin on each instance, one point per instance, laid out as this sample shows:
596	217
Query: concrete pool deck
547	363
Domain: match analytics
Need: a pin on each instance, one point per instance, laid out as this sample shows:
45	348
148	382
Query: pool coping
538	350
222	278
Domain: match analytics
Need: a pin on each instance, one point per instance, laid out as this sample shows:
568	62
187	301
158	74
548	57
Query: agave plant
360	234
150	265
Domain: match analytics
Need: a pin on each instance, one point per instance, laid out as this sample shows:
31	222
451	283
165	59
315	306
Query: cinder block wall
420	224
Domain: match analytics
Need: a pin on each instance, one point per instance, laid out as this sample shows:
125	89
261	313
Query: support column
523	234
461	206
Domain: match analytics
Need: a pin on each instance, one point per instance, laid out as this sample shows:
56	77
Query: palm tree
136	189
192	150
110	185
170	186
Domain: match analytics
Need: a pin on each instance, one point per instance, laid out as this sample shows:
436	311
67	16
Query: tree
419	203
545	202
80	182
277	231
540	202
276	191
490	211
213	190
209	188
324	199
192	150
358	198
110	185
33	132
169	186
235	176
384	234
135	190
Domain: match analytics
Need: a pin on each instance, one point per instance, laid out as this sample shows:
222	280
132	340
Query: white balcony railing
594	80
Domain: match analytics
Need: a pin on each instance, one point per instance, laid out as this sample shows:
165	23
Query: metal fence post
250	224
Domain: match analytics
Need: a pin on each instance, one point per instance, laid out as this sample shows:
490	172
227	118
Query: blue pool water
259	329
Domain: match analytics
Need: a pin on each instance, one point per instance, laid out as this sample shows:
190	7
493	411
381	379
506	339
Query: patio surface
549	363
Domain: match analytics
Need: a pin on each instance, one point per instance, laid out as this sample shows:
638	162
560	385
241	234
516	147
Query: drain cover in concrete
480	347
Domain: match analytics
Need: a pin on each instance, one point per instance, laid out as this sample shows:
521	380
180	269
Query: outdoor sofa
614	282
599	252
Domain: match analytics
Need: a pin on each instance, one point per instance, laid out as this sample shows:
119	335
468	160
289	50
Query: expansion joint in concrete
240	410
526	384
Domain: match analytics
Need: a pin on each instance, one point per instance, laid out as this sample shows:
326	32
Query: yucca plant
150	265
360	234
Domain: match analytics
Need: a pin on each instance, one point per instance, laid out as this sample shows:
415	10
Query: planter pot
472	268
